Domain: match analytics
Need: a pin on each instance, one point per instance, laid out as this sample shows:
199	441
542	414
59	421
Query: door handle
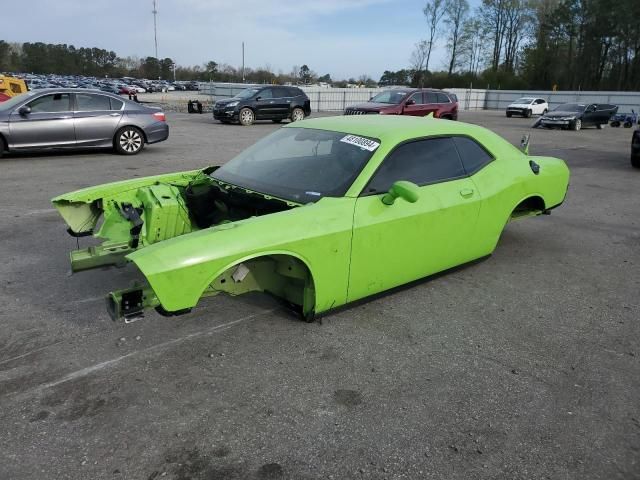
466	192
114	114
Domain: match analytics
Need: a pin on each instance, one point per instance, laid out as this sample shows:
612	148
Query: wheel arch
120	127
530	204
280	257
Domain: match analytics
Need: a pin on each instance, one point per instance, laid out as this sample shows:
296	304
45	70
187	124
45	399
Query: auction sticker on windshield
361	142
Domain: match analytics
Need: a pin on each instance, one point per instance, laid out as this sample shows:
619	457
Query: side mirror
402	189
258	98
24	110
411	101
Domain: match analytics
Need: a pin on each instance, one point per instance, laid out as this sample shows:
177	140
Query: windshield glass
300	164
248	93
570	107
524	100
389	96
13	101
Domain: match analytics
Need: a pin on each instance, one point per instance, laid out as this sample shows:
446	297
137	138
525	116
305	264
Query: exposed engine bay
133	218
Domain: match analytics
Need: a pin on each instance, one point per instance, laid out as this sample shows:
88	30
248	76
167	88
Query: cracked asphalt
521	366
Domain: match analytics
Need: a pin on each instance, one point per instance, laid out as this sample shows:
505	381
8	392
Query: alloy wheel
130	141
297	115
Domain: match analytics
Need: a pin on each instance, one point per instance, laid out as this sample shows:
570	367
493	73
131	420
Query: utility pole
242	62
155	32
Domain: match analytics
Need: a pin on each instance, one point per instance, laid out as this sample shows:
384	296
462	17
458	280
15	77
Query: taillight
160	116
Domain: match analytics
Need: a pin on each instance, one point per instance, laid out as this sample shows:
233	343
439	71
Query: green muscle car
320	213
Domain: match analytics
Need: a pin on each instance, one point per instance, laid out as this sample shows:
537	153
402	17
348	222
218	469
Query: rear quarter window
474	157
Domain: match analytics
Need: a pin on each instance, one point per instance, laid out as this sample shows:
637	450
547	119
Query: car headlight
568	118
232	104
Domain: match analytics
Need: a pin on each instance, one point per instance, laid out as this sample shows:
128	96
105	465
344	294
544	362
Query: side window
442	98
430	97
421	162
116	104
540	101
266	93
295	92
417	98
86	102
58	102
473	156
280	92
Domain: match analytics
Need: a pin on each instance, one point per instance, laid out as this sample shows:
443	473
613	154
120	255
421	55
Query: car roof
393	128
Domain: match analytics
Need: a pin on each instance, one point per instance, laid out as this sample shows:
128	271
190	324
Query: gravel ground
522	366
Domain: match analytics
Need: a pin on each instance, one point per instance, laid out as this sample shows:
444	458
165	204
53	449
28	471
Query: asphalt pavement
521	366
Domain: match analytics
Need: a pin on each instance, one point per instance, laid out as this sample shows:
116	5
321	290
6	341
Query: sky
345	38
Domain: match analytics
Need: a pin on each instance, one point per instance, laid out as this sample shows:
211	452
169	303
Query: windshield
389	96
300	164
570	107
13	101
248	93
524	100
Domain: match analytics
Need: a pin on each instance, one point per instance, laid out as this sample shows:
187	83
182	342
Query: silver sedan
77	118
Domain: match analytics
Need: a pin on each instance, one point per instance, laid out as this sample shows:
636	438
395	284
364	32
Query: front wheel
635	161
544	112
3	146
246	117
527	114
576	125
297	115
129	141
508	114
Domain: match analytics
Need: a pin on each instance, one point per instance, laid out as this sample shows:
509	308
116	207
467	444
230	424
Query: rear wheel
3	146
599	126
635	161
527	114
297	115
129	141
246	117
544	112
508	114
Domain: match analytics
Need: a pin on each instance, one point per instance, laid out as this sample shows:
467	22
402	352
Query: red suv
409	101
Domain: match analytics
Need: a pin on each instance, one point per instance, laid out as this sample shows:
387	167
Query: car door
281	102
398	243
48	122
590	116
96	118
264	103
414	105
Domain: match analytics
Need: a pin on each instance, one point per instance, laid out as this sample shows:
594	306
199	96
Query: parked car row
112	85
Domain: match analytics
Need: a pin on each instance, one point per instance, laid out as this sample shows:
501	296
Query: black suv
264	103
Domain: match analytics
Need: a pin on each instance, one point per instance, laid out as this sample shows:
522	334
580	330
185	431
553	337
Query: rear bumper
158	132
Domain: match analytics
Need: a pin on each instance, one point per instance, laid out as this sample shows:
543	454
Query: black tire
508	114
128	141
576	125
246	117
635	161
628	125
297	114
615	124
3	146
527	114
599	126
544	112
276	120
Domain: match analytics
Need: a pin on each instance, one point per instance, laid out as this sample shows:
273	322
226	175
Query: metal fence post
344	100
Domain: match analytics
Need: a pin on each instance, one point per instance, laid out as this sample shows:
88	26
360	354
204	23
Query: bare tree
455	12
417	60
473	44
433	11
